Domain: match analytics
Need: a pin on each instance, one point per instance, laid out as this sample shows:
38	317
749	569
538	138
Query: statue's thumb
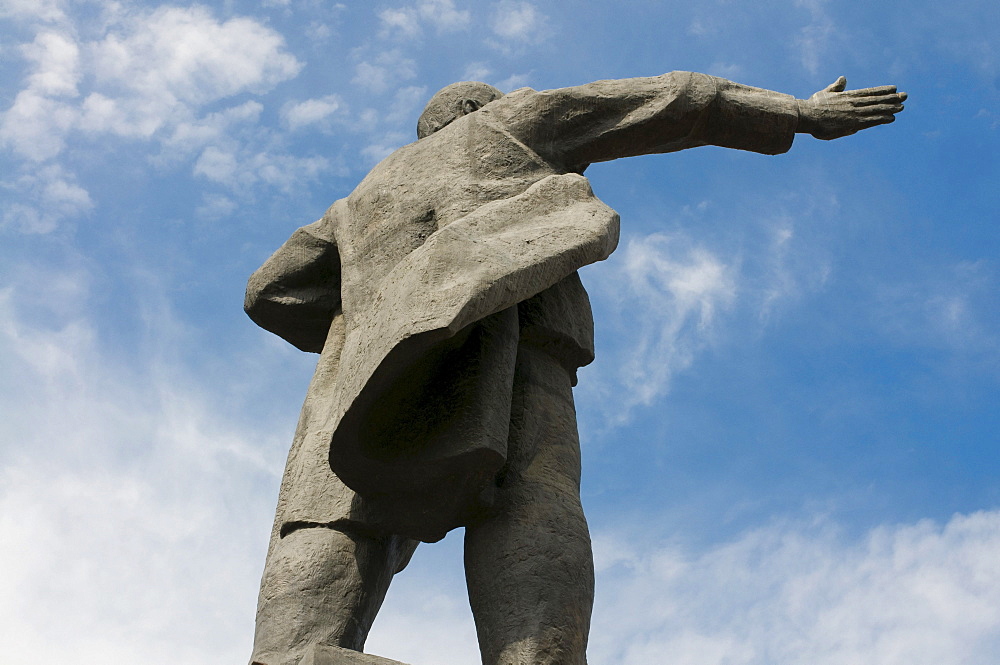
838	85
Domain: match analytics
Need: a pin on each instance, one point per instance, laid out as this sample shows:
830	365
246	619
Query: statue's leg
530	567
323	586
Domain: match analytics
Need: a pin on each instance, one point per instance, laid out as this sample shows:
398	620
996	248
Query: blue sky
790	433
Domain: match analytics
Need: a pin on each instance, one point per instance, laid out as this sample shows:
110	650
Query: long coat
417	288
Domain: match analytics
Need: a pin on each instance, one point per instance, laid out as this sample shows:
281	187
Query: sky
790	432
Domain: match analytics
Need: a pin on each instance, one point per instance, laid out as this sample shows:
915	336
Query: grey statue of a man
443	299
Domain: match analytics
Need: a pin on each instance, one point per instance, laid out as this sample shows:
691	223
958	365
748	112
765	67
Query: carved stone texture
443	299
327	655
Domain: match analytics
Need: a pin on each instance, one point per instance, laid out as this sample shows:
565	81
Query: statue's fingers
860	102
883	109
877	120
873	92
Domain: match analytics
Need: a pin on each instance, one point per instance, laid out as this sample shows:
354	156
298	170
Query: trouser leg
530	567
323	586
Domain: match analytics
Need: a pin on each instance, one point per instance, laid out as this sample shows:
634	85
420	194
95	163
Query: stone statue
443	299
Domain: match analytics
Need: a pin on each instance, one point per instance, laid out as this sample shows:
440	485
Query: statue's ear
470	106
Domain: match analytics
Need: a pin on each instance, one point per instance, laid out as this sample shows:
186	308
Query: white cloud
65	196
175	59
146	77
408	22
385	146
407	104
665	298
317	31
804	594
787	267
426	616
814	39
476	71
726	70
514	81
45	10
132	512
794	593
443	15
56	59
47	195
154	71
191	135
216	206
518	21
702	26
665	295
36	123
404	22
242	169
187	53
35	126
134	520
311	111
384	71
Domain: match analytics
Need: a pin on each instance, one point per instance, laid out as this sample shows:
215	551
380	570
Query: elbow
254	295
697	92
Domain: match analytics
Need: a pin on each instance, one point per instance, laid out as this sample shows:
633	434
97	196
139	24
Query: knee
308	558
311	557
320	586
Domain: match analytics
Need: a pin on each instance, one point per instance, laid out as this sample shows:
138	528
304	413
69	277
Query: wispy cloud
123	493
785	267
385	146
908	594
518	21
242	169
814	39
666	295
476	71
51	11
409	21
948	309
404	22
44	197
385	70
666	298
802	593
189	136
407	104
426	616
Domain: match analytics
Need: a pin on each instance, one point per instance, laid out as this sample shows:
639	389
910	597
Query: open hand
834	112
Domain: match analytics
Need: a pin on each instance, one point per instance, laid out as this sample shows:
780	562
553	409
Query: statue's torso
422	187
425	186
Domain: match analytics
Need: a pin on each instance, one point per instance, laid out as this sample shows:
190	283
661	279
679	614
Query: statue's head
452	102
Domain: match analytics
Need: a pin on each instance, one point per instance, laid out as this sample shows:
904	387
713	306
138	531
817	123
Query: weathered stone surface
443	299
325	655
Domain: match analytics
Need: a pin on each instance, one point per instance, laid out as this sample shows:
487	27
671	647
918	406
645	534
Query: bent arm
296	293
607	120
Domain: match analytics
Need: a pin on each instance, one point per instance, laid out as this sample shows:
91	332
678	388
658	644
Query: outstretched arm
611	119
834	112
607	120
